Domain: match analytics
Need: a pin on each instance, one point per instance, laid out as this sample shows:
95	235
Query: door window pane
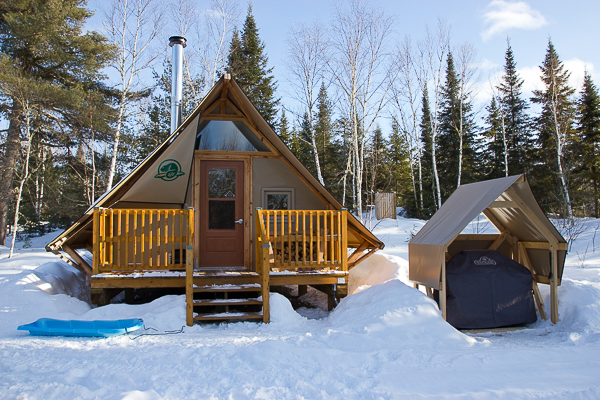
221	183
221	214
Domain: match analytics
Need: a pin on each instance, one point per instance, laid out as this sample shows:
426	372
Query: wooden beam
493	220
534	219
361	259
442	292
503	204
356	253
78	259
544	245
536	290
554	286
499	240
476	236
68	261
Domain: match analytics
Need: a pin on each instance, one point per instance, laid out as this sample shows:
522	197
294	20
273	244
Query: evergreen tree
516	121
329	157
399	171
247	63
456	141
284	130
588	130
304	151
555	135
45	52
428	183
494	153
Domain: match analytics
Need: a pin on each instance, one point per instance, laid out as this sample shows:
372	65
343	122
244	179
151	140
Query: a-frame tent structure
226	134
526	235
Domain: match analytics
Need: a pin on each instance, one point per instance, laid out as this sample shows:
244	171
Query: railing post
189	285
96	242
257	238
344	237
265	283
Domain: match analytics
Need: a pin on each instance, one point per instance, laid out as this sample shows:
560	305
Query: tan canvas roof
510	206
140	187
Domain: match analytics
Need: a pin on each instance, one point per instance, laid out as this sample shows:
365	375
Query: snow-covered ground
386	340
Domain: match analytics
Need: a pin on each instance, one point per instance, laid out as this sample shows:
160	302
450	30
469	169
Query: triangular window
228	136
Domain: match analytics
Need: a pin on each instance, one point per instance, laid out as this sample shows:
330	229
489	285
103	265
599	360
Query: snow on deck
385	341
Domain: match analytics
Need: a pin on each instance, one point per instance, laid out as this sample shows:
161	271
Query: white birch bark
131	26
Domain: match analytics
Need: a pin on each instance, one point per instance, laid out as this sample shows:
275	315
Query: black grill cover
487	289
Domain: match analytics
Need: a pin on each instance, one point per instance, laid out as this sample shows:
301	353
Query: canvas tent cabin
525	236
222	206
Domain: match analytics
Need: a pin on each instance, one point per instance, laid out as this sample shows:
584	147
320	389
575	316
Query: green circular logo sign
169	170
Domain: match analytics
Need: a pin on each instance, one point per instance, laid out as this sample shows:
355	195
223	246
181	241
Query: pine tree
284	129
555	135
516	121
50	61
495	151
588	130
247	63
327	152
428	195
456	143
399	172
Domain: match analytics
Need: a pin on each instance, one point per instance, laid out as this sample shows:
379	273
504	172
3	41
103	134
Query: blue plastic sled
56	327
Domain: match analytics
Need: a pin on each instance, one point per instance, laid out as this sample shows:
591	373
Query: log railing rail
141	239
303	239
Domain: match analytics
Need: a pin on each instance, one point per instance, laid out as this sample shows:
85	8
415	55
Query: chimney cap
173	40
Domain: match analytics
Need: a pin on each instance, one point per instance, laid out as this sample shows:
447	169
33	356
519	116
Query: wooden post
344	236
265	283
443	290
524	258
189	285
554	285
96	241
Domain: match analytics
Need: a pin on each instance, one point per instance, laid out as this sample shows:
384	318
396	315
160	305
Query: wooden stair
227	302
226	298
231	297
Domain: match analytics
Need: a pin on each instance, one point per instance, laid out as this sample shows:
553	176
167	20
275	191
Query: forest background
84	98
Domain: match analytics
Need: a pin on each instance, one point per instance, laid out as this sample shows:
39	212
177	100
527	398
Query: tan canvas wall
167	179
274	173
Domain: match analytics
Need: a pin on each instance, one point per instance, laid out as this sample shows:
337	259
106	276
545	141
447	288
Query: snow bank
395	314
387	340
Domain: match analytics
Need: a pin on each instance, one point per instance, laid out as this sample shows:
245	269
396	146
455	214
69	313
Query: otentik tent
526	236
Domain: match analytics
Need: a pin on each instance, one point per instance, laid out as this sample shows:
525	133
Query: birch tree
306	64
132	27
555	121
432	54
406	92
359	39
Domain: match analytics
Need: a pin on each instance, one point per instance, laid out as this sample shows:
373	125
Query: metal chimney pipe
177	43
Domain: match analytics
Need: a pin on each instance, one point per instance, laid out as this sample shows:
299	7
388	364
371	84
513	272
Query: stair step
253	287
228	316
228	302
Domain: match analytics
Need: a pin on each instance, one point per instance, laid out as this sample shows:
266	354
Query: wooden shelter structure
223	209
526	236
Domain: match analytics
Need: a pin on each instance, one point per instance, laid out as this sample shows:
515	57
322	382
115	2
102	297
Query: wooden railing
302	239
141	239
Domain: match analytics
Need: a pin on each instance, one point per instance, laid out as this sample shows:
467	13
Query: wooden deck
177	279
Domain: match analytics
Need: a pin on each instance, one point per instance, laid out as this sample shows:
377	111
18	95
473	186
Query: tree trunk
9	162
20	192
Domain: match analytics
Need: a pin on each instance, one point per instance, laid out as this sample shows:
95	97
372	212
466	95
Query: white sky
571	25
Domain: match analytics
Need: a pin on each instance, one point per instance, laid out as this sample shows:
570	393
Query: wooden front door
221	214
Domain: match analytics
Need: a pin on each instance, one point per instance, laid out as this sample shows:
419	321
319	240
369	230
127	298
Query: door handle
239	221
